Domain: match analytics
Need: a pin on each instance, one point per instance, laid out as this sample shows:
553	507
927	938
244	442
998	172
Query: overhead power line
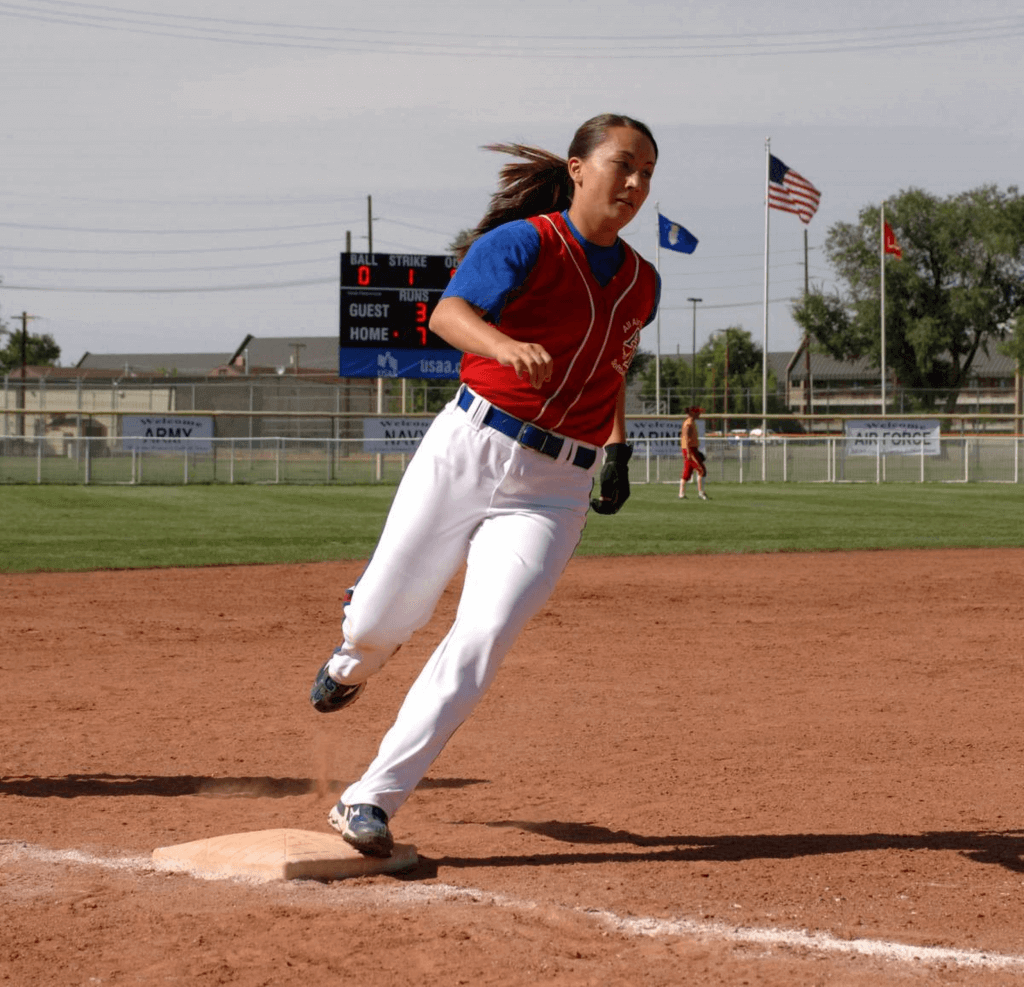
91	289
175	250
771	301
505	45
192	232
330	258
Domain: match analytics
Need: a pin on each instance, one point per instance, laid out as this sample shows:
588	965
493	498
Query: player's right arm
468	315
461	325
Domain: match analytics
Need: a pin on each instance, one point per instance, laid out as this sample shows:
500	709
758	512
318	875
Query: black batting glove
614	480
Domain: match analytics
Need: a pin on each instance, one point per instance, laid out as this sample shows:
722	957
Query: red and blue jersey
539	281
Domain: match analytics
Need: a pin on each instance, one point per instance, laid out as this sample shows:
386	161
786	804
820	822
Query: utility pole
807	284
380	380
693	355
24	340
24	363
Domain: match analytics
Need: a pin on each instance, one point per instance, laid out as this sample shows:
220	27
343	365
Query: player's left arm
613	483
618	433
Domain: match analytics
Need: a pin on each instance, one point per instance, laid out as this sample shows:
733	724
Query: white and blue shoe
364	827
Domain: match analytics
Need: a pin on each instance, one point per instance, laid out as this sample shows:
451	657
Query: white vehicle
770	435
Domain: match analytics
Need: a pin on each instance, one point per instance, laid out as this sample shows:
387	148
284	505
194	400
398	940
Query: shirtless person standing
693	458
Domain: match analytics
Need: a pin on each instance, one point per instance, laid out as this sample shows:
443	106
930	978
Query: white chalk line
798	939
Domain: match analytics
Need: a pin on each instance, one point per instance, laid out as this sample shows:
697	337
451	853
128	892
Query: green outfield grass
79	528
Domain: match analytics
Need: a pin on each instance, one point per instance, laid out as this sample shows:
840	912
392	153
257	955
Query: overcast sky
220	153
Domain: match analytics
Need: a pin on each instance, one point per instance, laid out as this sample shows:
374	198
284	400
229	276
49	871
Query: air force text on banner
893	437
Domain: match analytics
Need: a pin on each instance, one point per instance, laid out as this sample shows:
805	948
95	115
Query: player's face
611	184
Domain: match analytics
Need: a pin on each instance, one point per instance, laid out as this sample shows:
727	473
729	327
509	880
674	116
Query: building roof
154	364
825	367
279	353
318	355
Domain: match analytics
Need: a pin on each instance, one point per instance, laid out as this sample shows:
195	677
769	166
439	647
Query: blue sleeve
497	263
657	300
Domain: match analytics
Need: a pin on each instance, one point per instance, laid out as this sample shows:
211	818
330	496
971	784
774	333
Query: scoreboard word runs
386	304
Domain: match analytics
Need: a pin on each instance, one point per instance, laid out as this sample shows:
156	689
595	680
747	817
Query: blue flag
675	237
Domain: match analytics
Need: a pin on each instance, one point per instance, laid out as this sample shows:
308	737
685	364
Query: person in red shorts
693	458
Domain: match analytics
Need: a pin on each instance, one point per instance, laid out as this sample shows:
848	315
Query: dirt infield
824	789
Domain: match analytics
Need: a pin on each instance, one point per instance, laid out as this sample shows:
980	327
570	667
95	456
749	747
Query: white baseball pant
470	494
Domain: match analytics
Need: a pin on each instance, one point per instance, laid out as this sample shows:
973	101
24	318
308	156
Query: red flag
891	246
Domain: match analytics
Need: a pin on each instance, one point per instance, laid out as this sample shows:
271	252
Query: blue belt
546	443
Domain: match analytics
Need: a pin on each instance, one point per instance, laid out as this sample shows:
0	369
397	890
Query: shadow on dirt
1005	849
175	786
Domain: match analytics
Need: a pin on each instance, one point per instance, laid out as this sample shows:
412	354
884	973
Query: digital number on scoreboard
386	304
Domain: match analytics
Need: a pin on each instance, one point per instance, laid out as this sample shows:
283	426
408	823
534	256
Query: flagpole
657	267
764	332
881	262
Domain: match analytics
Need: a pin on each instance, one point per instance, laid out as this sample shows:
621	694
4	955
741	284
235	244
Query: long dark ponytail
539	182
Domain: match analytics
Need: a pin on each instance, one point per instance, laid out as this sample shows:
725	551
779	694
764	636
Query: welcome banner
892	437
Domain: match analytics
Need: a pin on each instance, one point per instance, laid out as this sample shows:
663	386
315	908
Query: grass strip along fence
82	528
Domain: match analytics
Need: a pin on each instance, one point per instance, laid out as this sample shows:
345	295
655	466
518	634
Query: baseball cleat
364	827
328	696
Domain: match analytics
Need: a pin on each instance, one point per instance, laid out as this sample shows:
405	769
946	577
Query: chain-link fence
252	408
290	459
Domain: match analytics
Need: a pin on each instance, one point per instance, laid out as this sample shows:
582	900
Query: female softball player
547	307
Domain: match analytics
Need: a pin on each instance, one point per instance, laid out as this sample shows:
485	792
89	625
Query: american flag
790	191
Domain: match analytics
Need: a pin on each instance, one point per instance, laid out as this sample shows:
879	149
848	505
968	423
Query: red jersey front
590	331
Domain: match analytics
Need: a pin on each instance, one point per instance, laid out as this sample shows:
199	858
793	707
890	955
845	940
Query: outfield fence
287	459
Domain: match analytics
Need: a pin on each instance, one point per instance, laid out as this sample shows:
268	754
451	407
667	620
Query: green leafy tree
706	381
461	241
642	359
40	350
1014	344
956	290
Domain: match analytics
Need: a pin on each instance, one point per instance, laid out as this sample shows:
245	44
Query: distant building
267	381
819	384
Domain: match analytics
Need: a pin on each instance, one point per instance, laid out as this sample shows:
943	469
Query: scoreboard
386	303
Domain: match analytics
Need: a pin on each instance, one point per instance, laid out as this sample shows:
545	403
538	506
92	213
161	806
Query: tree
642	359
1014	345
706	381
40	350
461	242
955	291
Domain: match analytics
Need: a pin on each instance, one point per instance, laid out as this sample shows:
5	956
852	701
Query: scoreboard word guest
386	303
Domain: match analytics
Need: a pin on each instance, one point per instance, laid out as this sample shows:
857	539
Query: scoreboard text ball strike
386	303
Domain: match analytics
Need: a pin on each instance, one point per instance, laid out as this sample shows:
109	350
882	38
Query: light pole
725	403
693	357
